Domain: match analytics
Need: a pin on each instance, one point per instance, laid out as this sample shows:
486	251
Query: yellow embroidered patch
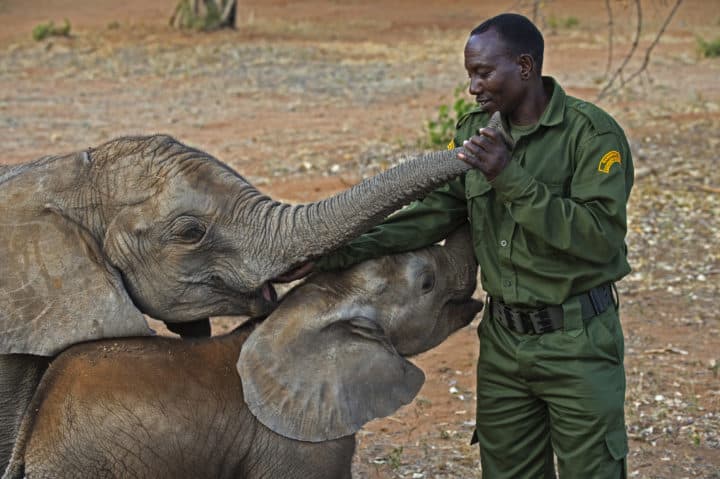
609	159
451	145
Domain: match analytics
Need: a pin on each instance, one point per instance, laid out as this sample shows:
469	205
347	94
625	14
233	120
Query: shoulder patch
609	159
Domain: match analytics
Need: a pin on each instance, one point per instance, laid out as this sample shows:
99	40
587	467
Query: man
549	221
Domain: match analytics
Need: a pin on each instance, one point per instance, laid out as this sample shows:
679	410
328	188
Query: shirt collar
555	111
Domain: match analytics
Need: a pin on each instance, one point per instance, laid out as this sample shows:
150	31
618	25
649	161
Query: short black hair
518	32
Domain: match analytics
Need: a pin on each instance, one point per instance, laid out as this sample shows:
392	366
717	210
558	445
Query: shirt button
503	243
507	283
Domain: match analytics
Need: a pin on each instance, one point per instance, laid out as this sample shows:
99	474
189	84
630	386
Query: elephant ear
56	289
321	380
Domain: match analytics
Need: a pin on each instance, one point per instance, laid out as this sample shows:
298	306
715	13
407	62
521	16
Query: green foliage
709	49
395	458
562	22
441	130
44	30
211	19
571	22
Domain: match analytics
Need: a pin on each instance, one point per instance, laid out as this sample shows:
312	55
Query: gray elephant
330	358
92	240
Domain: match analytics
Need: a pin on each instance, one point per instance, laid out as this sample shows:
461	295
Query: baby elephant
330	358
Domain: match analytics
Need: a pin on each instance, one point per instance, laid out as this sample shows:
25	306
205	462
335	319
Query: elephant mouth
464	309
268	293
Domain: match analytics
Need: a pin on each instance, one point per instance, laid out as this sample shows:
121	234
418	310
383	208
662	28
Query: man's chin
488	107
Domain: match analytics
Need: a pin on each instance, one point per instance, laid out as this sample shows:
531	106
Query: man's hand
487	152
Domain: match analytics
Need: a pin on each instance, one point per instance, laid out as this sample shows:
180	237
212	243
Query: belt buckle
526	321
541	322
510	318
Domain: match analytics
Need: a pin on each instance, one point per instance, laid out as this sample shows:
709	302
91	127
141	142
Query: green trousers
561	392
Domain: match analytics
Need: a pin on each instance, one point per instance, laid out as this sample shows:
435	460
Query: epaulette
464	117
601	121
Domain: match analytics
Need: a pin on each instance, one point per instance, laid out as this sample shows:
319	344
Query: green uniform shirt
551	225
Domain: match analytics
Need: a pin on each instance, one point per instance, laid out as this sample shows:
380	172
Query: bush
709	49
567	22
44	30
441	130
210	16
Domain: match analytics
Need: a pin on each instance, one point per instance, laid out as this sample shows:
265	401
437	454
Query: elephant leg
19	377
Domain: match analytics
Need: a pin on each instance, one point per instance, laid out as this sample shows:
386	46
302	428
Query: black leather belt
550	318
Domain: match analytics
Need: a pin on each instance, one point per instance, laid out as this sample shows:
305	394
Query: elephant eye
188	230
427	281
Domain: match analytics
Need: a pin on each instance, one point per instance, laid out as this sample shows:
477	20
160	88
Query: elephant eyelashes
188	230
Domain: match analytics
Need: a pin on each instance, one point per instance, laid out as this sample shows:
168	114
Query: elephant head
150	225
332	356
328	359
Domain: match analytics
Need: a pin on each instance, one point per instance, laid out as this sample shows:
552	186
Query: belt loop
572	316
615	296
595	300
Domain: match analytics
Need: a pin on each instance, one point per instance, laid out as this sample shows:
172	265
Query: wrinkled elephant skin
162	407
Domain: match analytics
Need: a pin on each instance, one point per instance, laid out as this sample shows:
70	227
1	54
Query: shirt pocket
538	246
478	193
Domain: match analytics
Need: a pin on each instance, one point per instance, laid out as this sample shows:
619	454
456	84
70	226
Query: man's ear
526	64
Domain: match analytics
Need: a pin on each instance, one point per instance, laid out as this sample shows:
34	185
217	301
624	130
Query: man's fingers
490	134
473	146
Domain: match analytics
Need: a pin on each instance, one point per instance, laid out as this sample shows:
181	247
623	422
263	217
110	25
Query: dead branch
228	14
611	24
205	14
646	61
707	189
655	41
536	10
631	52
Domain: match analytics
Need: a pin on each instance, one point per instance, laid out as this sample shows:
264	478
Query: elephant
93	240
280	397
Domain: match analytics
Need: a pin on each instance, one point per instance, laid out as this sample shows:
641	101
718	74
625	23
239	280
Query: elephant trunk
459	247
307	231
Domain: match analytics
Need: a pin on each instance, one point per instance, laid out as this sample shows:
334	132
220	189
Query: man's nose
475	87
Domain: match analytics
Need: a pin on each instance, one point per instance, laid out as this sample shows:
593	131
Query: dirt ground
308	97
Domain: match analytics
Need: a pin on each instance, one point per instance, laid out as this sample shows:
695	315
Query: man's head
503	58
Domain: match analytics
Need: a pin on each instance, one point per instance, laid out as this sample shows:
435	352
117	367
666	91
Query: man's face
494	73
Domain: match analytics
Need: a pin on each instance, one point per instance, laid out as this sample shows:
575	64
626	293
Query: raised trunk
307	231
